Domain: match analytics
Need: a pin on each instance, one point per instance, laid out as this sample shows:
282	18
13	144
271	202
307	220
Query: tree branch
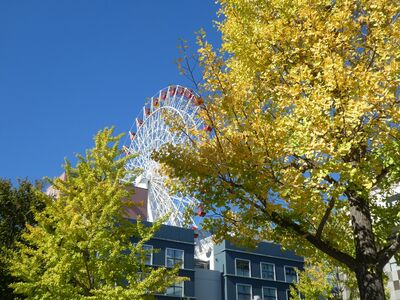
323	246
290	224
325	218
86	256
315	240
84	287
381	176
387	253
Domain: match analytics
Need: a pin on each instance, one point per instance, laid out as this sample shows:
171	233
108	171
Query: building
266	271
392	269
175	245
223	271
231	273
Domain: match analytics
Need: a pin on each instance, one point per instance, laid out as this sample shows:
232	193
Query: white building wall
393	272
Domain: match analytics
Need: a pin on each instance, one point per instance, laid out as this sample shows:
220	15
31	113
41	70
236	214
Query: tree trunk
368	270
370	284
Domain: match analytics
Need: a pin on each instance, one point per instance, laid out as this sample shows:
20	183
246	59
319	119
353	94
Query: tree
303	101
17	207
313	283
321	280
82	247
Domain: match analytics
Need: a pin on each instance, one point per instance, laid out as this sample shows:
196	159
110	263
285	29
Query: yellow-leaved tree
82	245
303	102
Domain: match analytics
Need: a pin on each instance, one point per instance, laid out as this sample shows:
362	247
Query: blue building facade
262	273
232	273
174	245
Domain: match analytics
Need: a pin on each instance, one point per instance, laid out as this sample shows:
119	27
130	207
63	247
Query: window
175	290
242	267
269	293
268	271
243	292
148	254
174	257
290	274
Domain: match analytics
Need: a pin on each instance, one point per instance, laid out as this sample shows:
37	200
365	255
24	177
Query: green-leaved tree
81	247
17	207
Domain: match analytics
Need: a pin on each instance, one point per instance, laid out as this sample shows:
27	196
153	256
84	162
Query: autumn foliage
303	101
82	246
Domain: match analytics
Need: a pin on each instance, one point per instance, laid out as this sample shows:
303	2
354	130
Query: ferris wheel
168	117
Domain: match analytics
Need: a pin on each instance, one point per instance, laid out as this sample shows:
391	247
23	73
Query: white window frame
265	263
183	288
269	287
251	290
151	252
297	275
183	257
151	248
236	273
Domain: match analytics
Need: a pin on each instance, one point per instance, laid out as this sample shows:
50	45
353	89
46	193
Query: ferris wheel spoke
175	104
158	207
166	197
164	206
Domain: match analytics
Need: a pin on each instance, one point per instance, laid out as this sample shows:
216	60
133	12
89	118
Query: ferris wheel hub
142	182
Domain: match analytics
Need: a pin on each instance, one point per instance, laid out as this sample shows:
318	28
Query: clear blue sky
69	68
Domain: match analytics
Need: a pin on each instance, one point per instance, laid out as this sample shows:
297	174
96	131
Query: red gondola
200	211
198	101
172	90
155	102
163	95
195	232
188	94
126	150
139	123
147	111
180	91
207	128
132	135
